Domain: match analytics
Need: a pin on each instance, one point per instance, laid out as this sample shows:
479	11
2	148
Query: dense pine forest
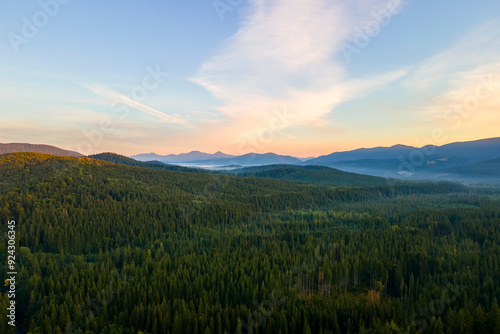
110	248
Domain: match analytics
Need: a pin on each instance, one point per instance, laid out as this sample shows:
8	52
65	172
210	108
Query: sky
295	77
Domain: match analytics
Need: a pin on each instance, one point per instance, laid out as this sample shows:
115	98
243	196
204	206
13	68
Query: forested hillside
312	174
47	149
121	159
109	248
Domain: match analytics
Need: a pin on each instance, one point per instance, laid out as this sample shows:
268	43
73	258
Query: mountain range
181	158
251	159
466	162
460	152
461	161
219	159
35	148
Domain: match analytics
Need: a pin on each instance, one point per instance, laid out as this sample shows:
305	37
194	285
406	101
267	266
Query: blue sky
299	77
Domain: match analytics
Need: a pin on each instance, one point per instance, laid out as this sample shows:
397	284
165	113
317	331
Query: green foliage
109	248
310	174
121	159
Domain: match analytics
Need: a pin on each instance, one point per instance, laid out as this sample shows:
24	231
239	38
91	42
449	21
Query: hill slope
47	149
123	160
310	174
205	246
480	172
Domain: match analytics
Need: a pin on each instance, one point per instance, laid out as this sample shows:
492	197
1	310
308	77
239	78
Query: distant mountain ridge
220	159
180	158
477	150
387	153
36	148
447	162
252	159
467	162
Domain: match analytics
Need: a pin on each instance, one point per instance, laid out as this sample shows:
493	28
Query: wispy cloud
468	70
471	102
462	84
287	55
112	95
479	47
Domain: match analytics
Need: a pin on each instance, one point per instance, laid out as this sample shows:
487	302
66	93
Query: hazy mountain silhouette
180	158
428	162
35	148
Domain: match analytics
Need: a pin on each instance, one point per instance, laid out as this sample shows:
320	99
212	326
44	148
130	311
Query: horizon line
255	152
